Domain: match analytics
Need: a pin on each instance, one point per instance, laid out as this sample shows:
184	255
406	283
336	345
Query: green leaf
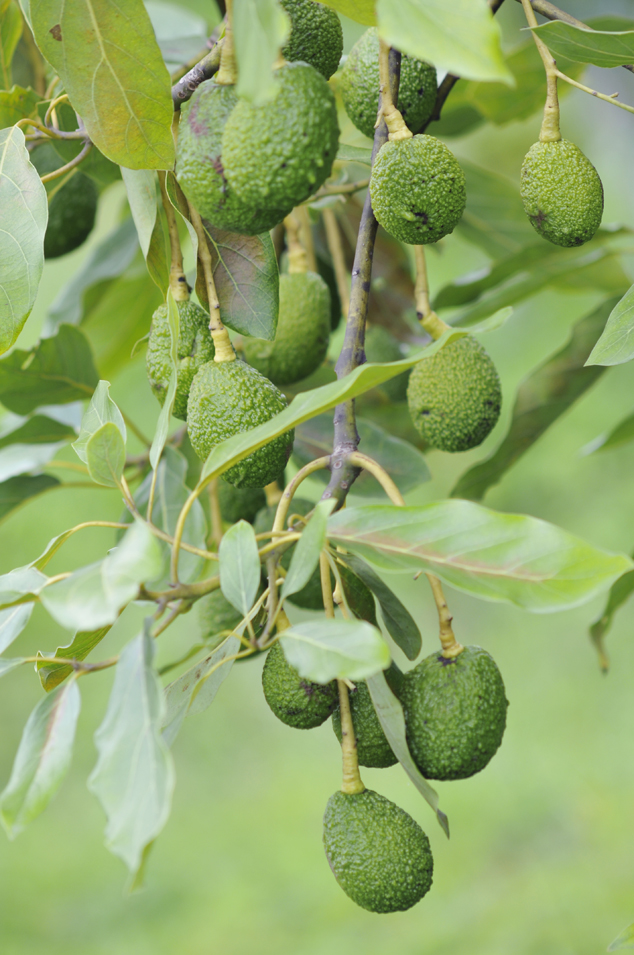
95	165
399	623
93	596
624	940
390	714
134	775
17	103
42	760
541	399
23	219
623	433
51	674
489	555
10	33
260	28
141	186
357	596
58	370
462	37
361	154
616	344
7	665
19	458
162	427
17	490
620	592
13	620
181	33
494	217
110	65
361	11
101	410
601	48
239	566
324	650
105	455
23	582
307	550
406	464
38	430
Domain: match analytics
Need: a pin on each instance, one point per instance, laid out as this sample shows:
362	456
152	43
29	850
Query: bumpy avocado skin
373	749
195	348
455	713
316	35
213	613
199	164
295	701
418	190
455	397
360	86
303	331
239	504
379	855
380	346
309	597
278	154
230	397
562	193
71	211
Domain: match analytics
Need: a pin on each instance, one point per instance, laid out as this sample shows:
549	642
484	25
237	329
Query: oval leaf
616	344
306	553
101	410
239	566
105	455
141	186
13	620
599	47
324	650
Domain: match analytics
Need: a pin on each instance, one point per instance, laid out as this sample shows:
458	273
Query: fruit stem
178	282
228	72
219	334
550	131
333	238
273	494
297	256
433	325
397	127
450	646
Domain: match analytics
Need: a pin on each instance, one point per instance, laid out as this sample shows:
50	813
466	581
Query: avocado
195	347
562	193
360	86
297	702
310	596
455	397
72	208
379	855
455	713
214	614
227	398
381	347
373	749
418	190
316	35
303	331
239	503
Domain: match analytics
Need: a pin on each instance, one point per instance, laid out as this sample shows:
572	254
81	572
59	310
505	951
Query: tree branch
204	70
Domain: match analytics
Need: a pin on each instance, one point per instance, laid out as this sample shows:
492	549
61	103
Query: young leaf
13	620
601	48
324	650
390	714
616	344
541	399
620	592
361	11
51	674
112	69
101	410
489	555
17	490
399	623
23	219
306	553
624	940
57	371
162	428
105	455
260	28
42	759
141	186
134	775
461	38
239	566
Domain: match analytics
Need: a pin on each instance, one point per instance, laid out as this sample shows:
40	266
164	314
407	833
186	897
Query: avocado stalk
550	131
433	325
228	72
178	281
297	255
450	646
219	334
396	125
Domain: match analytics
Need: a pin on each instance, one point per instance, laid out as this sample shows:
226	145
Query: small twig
450	646
204	70
345	189
306	235
69	165
603	96
219	334
52	105
335	247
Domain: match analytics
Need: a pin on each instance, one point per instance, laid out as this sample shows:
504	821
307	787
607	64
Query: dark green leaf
620	592
18	490
260	28
306	553
324	650
38	430
606	49
239	564
616	344
358	597
13	620
51	674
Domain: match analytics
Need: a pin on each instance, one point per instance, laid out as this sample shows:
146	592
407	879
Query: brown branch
204	70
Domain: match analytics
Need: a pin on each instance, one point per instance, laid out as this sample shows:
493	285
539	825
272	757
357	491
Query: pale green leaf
141	186
239	566
101	410
361	11
616	344
599	47
620	592
51	674
7	665
623	433
162	427
624	940
324	650
105	455
260	28
360	154
23	582
306	553
13	620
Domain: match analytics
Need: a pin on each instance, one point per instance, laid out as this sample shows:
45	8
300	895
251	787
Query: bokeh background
540	857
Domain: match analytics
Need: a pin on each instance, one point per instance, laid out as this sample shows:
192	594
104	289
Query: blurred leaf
18	490
51	674
105	455
306	553
23	219
239	564
616	344
620	591
162	427
42	760
489	555
112	69
10	33
586	45
260	28
101	410
19	583
541	399
56	371
461	38
361	11
93	596
324	650
17	103
494	217
398	621
180	32
38	430
358	597
390	714
407	466
32	445
13	620
7	665
623	433
134	775
141	186
625	940
459	115
361	154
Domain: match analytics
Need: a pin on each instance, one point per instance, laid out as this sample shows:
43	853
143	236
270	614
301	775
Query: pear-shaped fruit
316	35
195	348
72	208
294	700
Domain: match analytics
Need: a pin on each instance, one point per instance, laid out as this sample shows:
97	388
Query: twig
204	70
346	188
586	89
333	238
69	165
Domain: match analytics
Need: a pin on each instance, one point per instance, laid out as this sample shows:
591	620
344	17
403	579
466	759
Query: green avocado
195	348
214	614
373	749
71	208
239	503
227	398
562	193
455	713
316	35
455	397
418	190
381	347
310	596
279	153
303	331
295	701
379	855
199	164
360	86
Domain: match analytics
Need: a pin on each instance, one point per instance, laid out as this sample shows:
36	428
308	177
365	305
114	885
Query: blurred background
542	842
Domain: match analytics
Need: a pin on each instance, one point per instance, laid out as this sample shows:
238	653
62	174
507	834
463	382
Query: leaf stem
450	646
381	475
289	491
219	334
335	247
69	165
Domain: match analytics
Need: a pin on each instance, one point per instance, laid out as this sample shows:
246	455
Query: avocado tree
244	256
